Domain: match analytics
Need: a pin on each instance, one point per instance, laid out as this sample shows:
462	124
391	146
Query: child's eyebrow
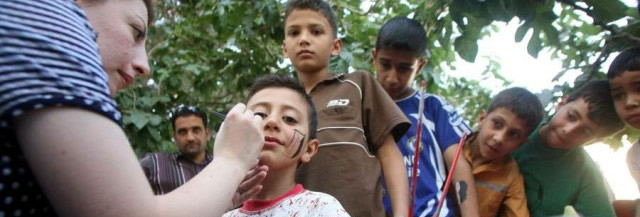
295	110
286	107
315	25
310	25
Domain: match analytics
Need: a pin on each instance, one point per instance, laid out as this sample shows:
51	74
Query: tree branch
604	55
599	23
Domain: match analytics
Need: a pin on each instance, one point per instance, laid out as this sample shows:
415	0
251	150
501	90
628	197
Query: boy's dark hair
521	102
319	6
284	81
597	94
185	111
628	60
404	34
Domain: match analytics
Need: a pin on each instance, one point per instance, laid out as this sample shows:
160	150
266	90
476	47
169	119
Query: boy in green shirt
556	169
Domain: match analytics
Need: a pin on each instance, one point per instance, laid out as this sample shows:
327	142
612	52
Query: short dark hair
597	94
185	111
284	81
521	102
319	6
628	60
404	34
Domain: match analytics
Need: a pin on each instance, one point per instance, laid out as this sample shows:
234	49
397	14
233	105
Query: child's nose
392	78
499	137
304	37
270	124
571	127
632	101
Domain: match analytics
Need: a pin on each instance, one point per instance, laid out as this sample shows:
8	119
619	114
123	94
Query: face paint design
294	146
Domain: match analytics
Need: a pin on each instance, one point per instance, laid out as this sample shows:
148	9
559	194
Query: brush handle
450	176
416	154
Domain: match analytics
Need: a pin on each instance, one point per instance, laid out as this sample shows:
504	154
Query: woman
60	128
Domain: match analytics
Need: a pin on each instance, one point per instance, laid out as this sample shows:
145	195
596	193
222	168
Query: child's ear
421	63
284	50
482	116
311	150
374	54
337	47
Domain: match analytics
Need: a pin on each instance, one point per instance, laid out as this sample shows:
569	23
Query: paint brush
219	115
450	176
416	153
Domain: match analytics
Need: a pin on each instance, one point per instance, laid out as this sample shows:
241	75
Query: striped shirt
48	57
168	171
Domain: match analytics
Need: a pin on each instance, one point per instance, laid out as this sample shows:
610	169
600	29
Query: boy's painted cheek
294	146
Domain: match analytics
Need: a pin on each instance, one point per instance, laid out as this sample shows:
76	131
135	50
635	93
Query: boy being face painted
289	121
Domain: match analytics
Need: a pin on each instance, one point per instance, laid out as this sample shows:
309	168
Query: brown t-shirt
355	115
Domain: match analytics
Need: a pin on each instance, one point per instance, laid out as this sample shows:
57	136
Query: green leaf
608	10
553	35
155	120
467	49
522	31
139	119
535	44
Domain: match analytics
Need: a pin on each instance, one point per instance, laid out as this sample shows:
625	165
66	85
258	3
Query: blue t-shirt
442	127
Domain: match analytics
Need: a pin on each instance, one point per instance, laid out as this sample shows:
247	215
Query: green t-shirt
555	178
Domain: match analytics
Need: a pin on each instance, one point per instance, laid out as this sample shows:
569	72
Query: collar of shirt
180	157
256	205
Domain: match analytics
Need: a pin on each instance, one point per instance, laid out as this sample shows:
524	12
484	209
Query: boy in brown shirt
358	124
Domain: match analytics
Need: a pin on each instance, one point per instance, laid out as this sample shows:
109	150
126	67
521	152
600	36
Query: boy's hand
250	185
240	138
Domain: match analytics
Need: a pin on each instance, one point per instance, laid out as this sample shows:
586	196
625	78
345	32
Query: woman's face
122	31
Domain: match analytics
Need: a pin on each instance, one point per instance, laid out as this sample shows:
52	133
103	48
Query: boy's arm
395	176
465	187
515	202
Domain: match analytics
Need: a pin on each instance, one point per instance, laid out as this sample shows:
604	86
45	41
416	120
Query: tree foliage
207	52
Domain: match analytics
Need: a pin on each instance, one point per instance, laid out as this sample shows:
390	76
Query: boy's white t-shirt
297	202
633	162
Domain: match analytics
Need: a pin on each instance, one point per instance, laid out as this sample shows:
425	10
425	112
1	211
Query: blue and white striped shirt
48	57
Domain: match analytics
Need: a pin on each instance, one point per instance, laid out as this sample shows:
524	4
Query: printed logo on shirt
411	144
338	102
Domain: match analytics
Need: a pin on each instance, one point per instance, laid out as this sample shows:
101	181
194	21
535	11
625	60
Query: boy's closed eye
289	120
317	31
515	134
498	123
617	94
293	33
261	114
572	115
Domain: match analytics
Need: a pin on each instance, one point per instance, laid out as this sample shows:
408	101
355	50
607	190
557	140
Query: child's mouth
271	141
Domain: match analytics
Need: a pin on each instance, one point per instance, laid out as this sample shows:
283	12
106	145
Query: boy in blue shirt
398	57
